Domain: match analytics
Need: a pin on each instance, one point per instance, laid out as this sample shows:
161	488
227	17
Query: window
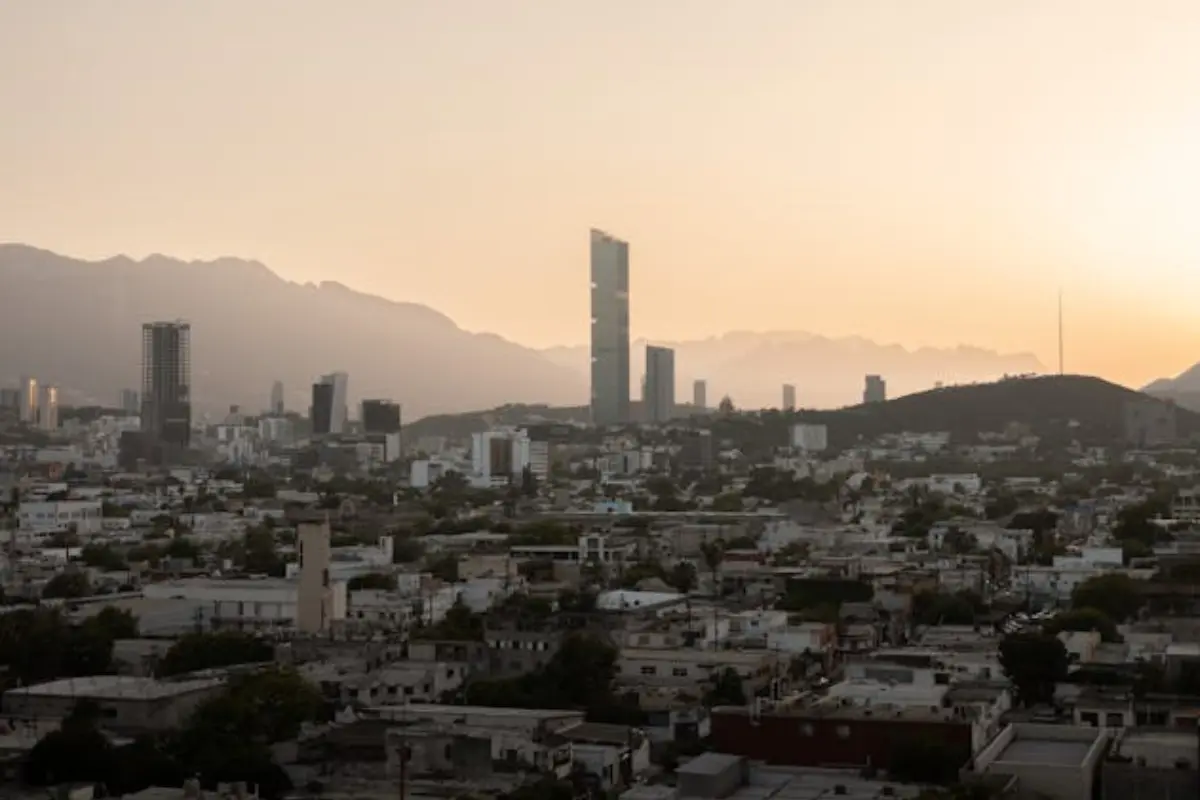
679	672
1114	720
843	731
806	729
1089	718
649	670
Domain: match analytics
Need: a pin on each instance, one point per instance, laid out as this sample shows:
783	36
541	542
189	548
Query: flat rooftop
115	687
1042	751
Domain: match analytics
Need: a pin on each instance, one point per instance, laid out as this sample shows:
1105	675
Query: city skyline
941	156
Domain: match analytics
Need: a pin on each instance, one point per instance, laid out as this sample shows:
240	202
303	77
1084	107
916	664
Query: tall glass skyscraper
658	398
610	329
167	382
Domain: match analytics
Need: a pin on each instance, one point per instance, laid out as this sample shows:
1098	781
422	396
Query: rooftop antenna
1060	333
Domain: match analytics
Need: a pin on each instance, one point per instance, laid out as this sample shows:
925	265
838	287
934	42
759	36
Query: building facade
874	390
48	408
658	397
277	398
28	401
700	395
167	382
610	329
789	397
380	416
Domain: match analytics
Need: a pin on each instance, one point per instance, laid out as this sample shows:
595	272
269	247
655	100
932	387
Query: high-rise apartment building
167	382
329	412
610	329
658	398
28	403
277	398
875	390
789	397
48	408
380	416
700	395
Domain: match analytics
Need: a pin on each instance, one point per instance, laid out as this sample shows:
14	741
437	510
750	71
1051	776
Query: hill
1184	388
77	324
752	367
1082	407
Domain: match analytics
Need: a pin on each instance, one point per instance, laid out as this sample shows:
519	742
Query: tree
938	608
727	690
1084	619
460	624
445	569
101	556
406	550
200	651
730	501
77	752
181	547
67	586
114	623
1034	662
682	577
259	555
1114	595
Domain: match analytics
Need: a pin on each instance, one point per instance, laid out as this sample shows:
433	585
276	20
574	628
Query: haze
927	172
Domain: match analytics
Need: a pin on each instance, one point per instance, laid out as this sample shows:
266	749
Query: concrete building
329	411
1152	764
236	603
130	403
277	398
28	402
789	397
658	396
875	390
315	597
48	408
700	395
44	517
810	438
167	382
1058	762
501	456
127	704
610	329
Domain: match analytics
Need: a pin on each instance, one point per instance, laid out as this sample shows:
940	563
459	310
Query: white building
48	408
276	430
51	516
241	602
810	438
499	457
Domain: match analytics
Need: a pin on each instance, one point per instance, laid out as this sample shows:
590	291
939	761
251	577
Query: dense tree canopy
200	651
1035	663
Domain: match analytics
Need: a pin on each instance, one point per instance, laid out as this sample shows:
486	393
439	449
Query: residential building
875	390
314	602
126	704
810	438
1057	762
28	403
45	517
277	398
380	416
789	397
166	382
610	329
700	395
658	396
48	408
238	603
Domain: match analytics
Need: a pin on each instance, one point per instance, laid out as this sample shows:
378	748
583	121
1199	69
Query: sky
925	172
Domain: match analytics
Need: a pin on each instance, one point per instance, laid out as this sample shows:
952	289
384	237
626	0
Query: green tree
1035	663
259	555
406	550
682	577
1115	595
727	690
101	556
68	586
730	501
1084	619
200	651
375	580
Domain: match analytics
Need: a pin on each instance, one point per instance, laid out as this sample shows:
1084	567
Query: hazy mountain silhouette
78	324
1184	388
752	367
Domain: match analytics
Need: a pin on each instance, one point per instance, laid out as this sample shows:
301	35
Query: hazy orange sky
915	171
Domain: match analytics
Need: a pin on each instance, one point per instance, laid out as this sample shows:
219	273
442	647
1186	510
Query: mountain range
1184	388
827	372
76	324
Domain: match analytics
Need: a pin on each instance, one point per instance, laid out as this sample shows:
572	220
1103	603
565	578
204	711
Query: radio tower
1060	333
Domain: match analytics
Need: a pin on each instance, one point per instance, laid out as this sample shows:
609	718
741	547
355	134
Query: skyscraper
167	382
277	398
610	329
129	401
875	390
700	395
329	411
659	395
48	409
28	405
789	397
380	416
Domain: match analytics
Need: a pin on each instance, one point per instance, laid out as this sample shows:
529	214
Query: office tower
328	410
500	456
875	390
700	395
789	397
314	595
277	398
380	416
29	401
659	396
10	399
129	401
48	408
321	411
167	382
610	329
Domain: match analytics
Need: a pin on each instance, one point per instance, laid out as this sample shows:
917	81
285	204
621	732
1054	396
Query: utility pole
1060	333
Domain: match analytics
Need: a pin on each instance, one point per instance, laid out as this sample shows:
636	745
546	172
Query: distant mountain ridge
1184	388
77	324
752	367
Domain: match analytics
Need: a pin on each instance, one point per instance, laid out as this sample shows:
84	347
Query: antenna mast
1060	333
